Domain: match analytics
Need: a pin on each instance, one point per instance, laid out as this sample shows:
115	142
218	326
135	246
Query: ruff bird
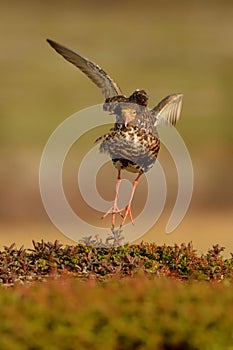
133	142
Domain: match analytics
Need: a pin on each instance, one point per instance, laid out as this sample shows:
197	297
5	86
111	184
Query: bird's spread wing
168	110
93	71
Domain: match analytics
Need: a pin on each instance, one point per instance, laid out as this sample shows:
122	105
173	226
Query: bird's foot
127	213
113	210
124	213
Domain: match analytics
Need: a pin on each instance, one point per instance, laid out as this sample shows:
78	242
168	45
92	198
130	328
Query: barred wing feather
93	71
168	110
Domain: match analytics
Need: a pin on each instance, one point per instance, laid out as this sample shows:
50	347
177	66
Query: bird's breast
131	148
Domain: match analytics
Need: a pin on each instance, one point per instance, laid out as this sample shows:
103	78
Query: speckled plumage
134	146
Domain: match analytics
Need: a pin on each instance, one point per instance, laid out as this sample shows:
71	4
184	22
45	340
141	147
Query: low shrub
87	262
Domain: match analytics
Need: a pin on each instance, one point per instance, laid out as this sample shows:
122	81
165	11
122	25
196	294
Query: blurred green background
160	46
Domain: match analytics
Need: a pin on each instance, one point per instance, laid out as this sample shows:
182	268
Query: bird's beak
127	115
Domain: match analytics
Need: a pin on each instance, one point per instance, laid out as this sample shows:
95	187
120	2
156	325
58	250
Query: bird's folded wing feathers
168	110
93	71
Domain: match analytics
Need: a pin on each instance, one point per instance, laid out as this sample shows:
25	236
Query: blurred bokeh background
161	46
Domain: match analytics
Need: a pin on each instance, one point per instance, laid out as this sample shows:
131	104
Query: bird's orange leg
128	207
114	209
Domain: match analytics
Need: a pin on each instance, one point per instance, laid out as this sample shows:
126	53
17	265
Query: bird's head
126	109
128	114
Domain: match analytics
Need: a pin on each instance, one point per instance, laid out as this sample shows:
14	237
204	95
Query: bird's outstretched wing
93	71
168	110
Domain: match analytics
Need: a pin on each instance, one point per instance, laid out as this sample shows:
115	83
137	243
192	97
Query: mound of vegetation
129	297
101	263
128	314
